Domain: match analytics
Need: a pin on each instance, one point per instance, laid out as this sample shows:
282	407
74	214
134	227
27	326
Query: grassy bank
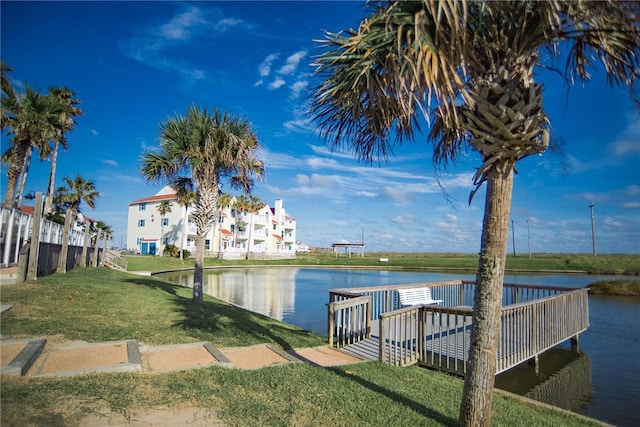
602	264
616	287
101	305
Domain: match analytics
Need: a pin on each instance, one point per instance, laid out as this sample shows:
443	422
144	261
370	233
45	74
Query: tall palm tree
68	105
209	147
186	197
31	118
467	67
164	207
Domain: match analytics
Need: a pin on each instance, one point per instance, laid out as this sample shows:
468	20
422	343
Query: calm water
601	380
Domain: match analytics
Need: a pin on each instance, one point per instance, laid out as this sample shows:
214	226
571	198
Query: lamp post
529	238
593	229
513	237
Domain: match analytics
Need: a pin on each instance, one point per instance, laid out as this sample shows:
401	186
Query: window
166	240
142	206
165	221
138	240
274	226
141	223
233	228
207	244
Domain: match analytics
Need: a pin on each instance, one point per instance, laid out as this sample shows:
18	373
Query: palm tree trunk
23	175
48	201
475	409
12	181
198	297
184	229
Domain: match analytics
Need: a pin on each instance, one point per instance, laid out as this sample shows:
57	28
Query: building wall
270	231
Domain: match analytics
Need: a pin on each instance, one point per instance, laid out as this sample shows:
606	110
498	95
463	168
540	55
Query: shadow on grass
218	318
397	397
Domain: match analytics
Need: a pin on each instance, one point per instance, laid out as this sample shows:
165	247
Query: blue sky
134	64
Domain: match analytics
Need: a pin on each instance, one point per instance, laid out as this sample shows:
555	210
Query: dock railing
534	318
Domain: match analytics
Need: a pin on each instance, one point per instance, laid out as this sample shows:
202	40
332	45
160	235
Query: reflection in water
605	385
562	379
271	292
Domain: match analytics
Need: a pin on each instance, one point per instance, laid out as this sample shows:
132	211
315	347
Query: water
601	380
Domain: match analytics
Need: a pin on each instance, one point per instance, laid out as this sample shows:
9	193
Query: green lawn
602	264
103	305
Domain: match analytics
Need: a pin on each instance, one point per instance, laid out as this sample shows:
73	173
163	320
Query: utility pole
593	229
513	237
529	238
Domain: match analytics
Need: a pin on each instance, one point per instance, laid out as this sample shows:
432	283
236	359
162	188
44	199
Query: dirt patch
85	357
8	352
158	416
253	357
176	358
324	356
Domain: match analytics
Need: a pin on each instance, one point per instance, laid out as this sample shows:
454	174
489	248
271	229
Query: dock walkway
366	322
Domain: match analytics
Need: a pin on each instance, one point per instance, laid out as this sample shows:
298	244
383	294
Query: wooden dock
365	323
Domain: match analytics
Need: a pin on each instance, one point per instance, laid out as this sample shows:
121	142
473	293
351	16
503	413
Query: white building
268	233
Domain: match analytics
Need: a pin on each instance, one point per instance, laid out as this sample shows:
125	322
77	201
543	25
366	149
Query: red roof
27	209
277	237
156	198
226	232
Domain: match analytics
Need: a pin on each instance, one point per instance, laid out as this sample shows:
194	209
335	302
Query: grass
615	287
295	395
103	305
602	264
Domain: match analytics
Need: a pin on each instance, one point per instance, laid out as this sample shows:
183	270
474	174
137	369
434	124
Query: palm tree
186	197
164	207
67	102
76	191
468	69
31	118
208	147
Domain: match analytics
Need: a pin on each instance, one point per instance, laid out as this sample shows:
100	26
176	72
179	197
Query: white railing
533	319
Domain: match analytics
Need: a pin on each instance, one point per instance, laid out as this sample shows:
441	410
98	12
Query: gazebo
348	248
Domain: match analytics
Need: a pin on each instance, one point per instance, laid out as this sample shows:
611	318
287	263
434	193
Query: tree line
39	123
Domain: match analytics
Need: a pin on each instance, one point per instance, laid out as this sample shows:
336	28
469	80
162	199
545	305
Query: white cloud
179	28
298	87
396	194
292	63
278	82
631	205
226	23
93	132
265	67
297	125
405	219
627	144
110	162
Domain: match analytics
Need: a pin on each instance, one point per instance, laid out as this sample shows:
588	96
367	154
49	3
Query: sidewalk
54	356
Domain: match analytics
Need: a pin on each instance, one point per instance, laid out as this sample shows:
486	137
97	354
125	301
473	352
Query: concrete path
54	356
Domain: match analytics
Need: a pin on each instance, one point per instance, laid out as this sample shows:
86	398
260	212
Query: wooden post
94	258
331	324
32	271
368	310
62	260
383	339
83	262
575	342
